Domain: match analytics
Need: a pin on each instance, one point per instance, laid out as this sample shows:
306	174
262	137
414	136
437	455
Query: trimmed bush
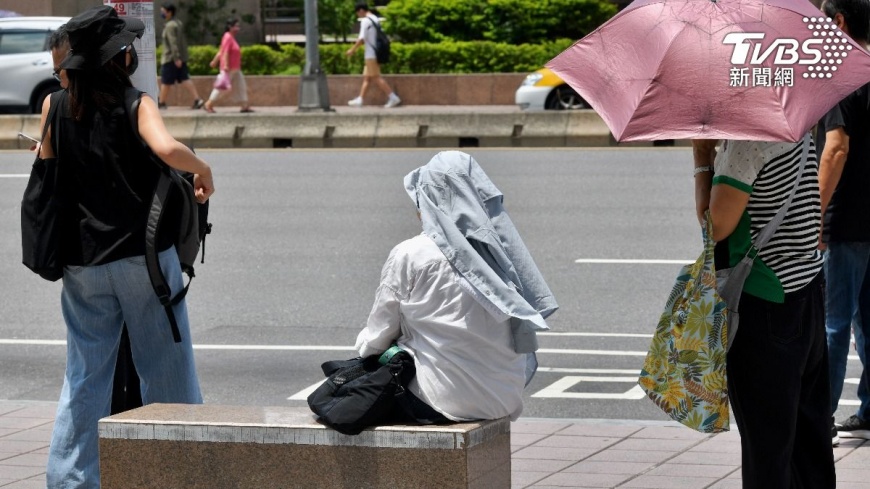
442	57
448	57
508	21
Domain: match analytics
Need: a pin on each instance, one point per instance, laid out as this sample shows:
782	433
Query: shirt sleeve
171	38
384	323
364	24
738	163
834	118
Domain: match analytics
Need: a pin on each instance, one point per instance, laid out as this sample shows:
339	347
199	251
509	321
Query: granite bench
211	446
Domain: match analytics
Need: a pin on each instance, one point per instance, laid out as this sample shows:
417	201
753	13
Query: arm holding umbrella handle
704	152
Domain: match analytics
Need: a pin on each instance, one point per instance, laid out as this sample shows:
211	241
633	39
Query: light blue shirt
461	211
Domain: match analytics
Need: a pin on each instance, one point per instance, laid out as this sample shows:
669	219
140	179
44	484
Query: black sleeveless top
107	182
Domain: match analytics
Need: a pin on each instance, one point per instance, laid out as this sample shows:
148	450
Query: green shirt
174	44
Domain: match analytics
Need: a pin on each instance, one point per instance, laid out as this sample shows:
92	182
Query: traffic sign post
145	78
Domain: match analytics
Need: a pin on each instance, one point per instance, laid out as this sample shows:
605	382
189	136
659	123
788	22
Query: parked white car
26	68
544	90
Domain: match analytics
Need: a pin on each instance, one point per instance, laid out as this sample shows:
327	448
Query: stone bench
210	446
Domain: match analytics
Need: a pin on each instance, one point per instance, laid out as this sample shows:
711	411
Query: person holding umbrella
778	363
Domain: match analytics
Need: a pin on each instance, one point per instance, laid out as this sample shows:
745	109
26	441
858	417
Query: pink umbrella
714	69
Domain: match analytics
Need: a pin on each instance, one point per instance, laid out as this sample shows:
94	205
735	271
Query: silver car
26	68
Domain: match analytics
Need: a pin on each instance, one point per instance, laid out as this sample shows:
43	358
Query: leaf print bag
684	372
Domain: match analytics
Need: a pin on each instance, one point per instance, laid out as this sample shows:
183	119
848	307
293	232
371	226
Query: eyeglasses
56	74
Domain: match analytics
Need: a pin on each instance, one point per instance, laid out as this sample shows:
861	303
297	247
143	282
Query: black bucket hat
97	35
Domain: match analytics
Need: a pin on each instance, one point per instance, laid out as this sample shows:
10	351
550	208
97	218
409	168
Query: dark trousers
778	386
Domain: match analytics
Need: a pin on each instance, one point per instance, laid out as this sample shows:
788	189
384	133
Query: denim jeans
847	270
96	301
778	386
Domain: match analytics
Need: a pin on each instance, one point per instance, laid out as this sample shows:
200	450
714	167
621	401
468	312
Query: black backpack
382	44
173	192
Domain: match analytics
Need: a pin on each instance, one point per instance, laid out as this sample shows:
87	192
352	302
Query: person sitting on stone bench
464	298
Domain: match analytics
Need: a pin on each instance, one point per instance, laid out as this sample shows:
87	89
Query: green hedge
509	21
442	57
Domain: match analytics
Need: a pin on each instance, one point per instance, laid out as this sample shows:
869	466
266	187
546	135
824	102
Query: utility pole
145	78
313	92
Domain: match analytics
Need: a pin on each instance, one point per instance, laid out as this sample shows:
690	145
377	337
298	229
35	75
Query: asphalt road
300	237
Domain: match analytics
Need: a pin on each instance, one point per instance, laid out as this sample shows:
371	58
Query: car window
23	42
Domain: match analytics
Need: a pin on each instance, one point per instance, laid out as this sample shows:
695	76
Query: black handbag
363	392
40	208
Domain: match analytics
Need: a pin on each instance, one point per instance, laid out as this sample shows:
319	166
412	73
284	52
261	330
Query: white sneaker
393	101
357	102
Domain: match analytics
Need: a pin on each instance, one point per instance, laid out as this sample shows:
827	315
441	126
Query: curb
406	127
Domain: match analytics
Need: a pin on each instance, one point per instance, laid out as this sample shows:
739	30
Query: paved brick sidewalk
547	453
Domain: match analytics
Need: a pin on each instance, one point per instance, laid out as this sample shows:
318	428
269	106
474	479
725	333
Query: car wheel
40	94
564	97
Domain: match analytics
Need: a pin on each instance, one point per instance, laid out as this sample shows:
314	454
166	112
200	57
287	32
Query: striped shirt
768	171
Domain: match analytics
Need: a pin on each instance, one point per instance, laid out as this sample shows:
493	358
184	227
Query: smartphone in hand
35	146
25	136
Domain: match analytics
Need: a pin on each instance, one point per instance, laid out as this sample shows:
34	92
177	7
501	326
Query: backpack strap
165	181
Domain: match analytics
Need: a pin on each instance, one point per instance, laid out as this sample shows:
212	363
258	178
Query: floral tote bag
684	372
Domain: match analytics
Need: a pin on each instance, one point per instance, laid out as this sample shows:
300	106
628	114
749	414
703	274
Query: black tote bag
40	209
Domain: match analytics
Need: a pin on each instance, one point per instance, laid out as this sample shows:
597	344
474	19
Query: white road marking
593	352
589	370
633	261
28	342
202	347
275	347
603	335
14	175
304	393
558	389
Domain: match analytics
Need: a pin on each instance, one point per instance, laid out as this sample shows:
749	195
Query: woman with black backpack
106	182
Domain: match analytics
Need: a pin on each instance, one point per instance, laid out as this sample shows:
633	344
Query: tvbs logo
821	53
748	50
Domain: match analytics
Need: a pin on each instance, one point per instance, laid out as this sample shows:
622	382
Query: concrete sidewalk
580	453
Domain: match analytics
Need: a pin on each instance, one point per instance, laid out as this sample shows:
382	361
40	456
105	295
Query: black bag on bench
363	392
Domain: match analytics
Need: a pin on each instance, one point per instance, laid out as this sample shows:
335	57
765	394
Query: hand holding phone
25	136
35	141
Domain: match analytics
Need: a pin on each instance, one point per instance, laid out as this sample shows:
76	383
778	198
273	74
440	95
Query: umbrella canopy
714	69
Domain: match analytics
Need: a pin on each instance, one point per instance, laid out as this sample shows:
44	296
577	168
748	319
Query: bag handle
54	102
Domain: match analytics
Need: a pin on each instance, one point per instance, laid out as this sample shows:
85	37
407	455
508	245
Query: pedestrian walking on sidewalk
372	70
778	363
844	177
229	59
173	67
107	184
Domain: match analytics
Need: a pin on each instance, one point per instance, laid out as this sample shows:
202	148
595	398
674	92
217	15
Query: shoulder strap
55	101
770	228
132	99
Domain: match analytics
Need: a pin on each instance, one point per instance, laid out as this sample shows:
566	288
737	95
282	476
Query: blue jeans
847	271
96	301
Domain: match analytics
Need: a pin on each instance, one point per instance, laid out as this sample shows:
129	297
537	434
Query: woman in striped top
777	366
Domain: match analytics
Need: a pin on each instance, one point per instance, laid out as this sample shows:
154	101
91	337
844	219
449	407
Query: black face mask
134	61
